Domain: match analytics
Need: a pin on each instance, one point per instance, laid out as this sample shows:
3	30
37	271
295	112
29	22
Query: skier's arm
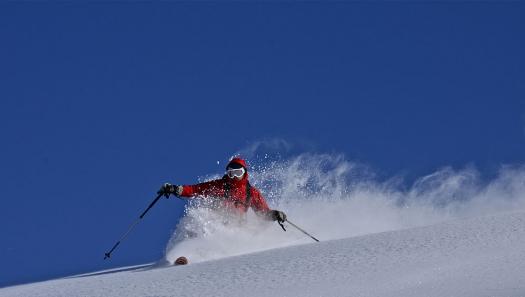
211	188
261	208
259	205
258	202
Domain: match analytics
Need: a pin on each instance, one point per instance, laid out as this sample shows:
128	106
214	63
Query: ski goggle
235	172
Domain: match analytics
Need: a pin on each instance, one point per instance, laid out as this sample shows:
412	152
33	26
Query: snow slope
481	256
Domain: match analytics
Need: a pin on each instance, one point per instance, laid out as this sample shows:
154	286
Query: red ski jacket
232	191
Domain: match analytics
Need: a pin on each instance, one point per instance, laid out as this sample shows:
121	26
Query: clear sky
102	102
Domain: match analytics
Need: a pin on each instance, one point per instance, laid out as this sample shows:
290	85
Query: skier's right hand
168	189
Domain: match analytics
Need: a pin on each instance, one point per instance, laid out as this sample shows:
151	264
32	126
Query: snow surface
481	256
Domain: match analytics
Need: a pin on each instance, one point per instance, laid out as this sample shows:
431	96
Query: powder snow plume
334	198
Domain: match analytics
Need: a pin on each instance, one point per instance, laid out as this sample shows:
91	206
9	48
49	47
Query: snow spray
335	198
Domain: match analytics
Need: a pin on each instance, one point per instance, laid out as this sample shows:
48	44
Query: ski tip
181	261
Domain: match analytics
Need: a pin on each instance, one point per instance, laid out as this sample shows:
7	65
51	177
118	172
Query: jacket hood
239	161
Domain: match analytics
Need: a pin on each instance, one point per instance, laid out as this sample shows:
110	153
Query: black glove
168	189
277	215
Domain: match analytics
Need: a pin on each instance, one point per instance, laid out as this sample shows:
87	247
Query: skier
233	190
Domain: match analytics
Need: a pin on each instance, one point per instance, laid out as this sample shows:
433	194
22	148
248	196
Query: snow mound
480	256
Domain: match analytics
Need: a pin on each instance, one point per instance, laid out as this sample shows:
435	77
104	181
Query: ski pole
108	254
297	227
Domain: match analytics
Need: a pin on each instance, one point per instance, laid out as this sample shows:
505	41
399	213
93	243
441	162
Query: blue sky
102	102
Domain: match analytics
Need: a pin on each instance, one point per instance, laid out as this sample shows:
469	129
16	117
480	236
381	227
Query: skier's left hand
277	215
